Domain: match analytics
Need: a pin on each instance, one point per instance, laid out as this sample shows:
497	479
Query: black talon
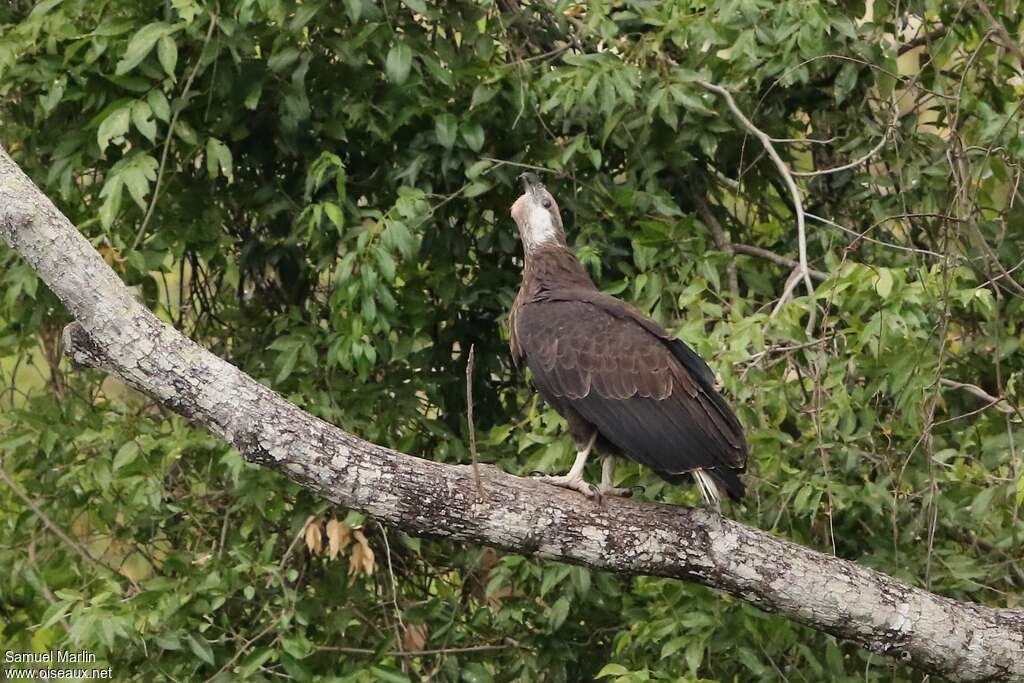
538	473
636	490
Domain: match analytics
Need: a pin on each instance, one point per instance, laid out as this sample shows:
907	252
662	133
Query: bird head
536	214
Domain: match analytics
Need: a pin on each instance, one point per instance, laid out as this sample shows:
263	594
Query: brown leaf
361	559
415	637
338	537
314	539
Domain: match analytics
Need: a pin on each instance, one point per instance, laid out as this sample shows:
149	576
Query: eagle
624	385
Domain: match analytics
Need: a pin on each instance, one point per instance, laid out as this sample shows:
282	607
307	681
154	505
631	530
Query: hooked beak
531	183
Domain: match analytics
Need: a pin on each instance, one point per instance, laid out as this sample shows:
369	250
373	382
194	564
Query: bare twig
469	419
750	250
802	271
722	241
242	650
921	40
295	542
413	653
57	531
1008	42
170	135
394	587
1000	404
860	160
862	235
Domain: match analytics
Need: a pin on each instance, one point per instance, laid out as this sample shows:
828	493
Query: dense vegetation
318	192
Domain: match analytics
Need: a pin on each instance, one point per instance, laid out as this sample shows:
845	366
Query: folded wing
647	393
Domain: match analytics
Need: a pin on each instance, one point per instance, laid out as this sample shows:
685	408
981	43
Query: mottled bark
115	332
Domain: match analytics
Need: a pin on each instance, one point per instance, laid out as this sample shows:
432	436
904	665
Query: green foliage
318	192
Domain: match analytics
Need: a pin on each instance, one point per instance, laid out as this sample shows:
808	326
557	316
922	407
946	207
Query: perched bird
624	384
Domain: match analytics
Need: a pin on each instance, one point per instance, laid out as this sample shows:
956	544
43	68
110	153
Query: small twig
241	650
391	574
750	250
1000	404
295	542
722	241
57	531
469	419
170	135
863	236
861	160
802	271
921	40
413	653
1008	42
223	533
503	162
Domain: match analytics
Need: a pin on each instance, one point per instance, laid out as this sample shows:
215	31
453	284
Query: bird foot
574	483
622	492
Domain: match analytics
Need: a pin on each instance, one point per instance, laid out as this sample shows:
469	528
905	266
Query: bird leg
607	487
573	479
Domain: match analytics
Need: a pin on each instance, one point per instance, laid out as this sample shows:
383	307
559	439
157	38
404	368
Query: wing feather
647	393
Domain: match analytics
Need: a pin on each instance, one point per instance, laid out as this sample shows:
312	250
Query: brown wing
647	393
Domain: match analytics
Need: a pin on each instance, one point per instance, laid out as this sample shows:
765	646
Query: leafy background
318	192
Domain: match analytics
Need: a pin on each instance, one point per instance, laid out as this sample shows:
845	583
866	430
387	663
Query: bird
625	385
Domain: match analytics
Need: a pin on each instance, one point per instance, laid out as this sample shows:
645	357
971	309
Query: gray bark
113	331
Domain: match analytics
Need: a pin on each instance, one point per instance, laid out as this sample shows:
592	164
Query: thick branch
113	331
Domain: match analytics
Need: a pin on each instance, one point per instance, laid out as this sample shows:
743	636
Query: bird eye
547	204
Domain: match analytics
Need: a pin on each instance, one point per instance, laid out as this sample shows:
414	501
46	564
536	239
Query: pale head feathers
536	214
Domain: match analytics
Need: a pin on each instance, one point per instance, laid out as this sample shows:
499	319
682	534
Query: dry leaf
415	637
338	537
361	559
314	540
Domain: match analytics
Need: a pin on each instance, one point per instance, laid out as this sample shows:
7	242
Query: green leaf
141	44
846	81
612	669
884	282
674	645
388	675
142	119
54	613
473	134
200	648
446	127
167	53
218	158
53	95
334	214
158	104
137	171
111	194
126	455
252	98
253	662
398	63
476	673
114	126
559	612
694	655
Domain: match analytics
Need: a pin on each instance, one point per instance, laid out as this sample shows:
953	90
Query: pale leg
607	487
574	478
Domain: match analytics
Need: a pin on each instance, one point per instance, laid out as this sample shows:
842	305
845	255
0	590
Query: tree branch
802	271
113	331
